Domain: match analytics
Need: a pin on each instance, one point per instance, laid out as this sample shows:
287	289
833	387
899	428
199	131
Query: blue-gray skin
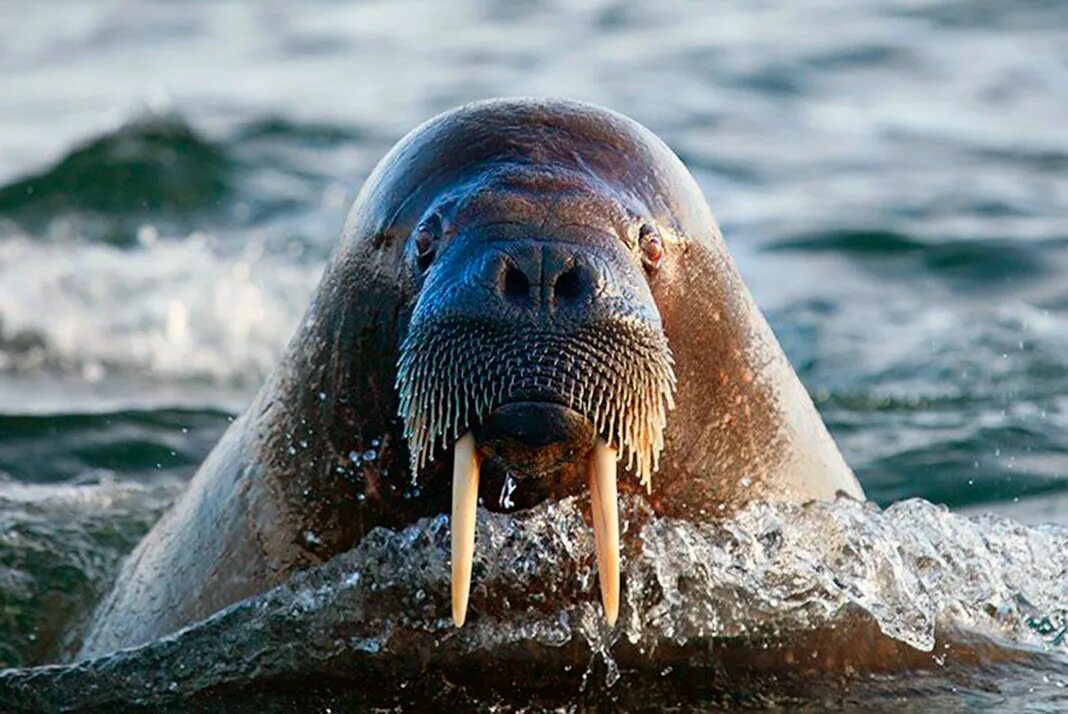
503	234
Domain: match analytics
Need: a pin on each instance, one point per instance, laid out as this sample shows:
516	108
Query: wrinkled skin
542	187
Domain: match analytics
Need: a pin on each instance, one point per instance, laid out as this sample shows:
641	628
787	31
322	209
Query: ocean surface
891	177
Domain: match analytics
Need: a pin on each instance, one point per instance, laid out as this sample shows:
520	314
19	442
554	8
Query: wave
309	134
971	263
60	548
174	310
152	165
142	445
783	602
287	179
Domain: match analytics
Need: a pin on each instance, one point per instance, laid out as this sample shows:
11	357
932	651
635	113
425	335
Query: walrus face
535	345
539	336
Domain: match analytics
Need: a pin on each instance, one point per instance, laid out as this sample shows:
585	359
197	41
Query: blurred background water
891	176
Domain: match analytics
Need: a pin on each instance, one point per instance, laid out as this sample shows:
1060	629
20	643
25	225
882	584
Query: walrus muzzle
536	354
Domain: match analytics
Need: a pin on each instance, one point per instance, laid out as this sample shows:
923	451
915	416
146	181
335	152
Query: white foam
171	310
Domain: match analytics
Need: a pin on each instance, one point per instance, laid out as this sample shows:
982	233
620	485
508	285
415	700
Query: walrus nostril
516	284
569	285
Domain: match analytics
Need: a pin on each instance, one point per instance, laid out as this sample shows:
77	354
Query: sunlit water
892	178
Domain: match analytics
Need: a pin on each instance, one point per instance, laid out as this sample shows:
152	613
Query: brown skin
281	492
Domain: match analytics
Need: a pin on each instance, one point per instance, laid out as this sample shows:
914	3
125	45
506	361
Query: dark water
891	176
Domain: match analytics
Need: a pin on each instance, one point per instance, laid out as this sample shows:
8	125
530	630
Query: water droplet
507	490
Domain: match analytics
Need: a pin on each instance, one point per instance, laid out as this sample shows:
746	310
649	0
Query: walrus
530	299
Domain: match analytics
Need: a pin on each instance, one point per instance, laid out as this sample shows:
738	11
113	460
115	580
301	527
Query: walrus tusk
464	505
601	469
602	474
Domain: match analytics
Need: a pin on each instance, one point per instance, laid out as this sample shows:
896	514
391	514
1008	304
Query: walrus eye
426	241
652	248
424	248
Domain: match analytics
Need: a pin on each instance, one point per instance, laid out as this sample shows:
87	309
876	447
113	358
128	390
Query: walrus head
521	291
528	297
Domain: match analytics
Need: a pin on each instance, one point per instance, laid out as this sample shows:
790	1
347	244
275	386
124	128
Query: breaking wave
175	309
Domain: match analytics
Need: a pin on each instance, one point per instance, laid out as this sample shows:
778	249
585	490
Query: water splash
782	595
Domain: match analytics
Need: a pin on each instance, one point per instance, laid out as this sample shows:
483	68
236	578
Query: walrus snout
544	275
535	438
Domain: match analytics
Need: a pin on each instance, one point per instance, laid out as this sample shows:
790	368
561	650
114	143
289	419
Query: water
773	603
892	178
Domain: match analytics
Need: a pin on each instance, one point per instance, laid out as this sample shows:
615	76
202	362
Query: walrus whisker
624	392
450	377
